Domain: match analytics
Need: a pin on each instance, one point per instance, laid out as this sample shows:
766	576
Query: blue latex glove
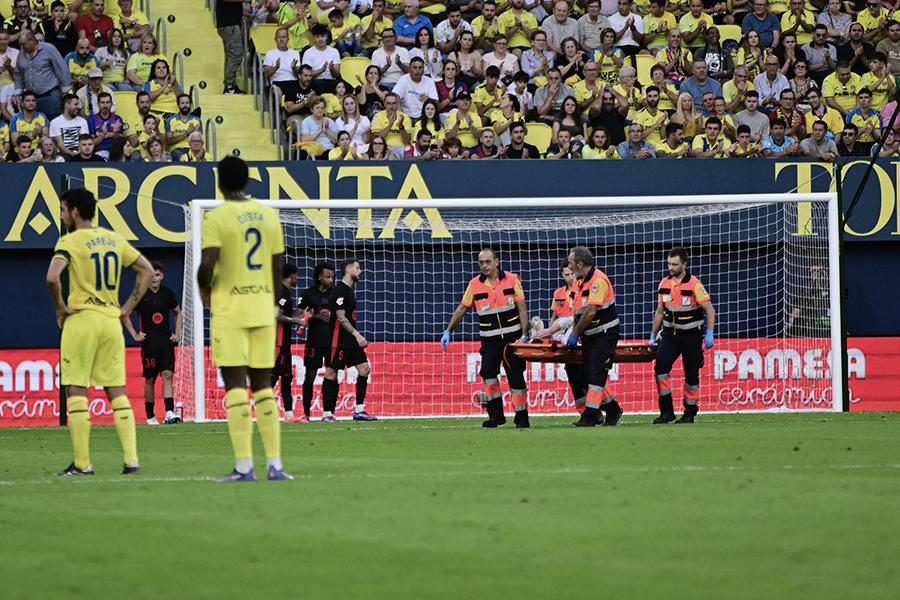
652	339
523	339
445	340
708	339
572	340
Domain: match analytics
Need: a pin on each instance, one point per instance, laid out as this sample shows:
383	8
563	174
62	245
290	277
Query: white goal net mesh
765	265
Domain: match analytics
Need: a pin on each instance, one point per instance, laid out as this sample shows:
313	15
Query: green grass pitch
781	506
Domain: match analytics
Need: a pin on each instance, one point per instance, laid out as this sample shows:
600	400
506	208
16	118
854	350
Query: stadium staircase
192	33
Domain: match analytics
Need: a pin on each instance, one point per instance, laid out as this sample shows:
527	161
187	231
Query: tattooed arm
341	316
144	274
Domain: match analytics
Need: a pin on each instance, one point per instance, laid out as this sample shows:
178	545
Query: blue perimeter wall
871	248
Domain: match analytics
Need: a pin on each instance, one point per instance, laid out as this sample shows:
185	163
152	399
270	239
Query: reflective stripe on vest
561	305
606	316
496	306
681	311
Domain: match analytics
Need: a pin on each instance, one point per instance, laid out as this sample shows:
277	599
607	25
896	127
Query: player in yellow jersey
92	348
240	272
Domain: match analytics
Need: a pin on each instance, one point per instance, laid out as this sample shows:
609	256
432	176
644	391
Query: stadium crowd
63	70
594	78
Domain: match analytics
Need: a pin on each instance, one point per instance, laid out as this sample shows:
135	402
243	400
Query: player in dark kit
158	343
347	346
284	316
318	332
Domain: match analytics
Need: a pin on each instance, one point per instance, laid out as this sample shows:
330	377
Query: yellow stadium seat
263	36
353	66
539	135
126	106
729	32
644	62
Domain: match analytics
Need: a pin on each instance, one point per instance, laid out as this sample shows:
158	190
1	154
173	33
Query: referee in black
157	343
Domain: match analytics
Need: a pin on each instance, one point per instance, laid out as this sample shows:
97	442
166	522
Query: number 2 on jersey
254	246
106	274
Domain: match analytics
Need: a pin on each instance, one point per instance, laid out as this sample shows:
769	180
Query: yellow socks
240	424
267	421
80	430
124	419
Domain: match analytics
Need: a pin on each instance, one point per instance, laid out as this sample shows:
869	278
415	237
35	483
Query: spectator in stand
592	23
795	122
735	91
674	145
392	125
690	117
712	143
799	21
80	63
668	95
873	20
571	64
432	122
112	59
20	21
559	26
59	30
694	25
392	60
487	95
282	64
373	27
133	23
879	81
563	149
847	145
486	149
358	126
464	123
29	121
468	60
520	91
448	88
766	24
538	59
833	120
378	150
23	152
867	121
636	146
657	25
789	54
407	25
430	55
698	83
518	147
890	46
777	144
324	60
49	152
629	27
589	89
371	94
757	122
486	27
506	62
448	31
151	129
345	33
85	151
298	97
856	51
598	146
770	84
841	87
651	118
608	57
196	151
179	128
609	111
66	128
296	18
134	127
801	85
719	63
890	148
156	151
720	12
549	98
7	60
229	14
139	69
422	148
837	23
4	141
821	55
819	146
569	119
344	150
414	88
516	24
745	147
751	54
626	87
317	128
163	90
675	60
105	125
90	94
94	26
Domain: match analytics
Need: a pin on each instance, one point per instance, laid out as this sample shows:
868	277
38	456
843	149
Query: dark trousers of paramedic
493	354
689	346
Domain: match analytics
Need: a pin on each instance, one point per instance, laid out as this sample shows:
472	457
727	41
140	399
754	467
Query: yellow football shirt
844	94
248	235
519	38
647	121
95	257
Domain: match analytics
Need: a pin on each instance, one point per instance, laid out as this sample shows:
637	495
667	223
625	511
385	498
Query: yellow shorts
92	350
252	347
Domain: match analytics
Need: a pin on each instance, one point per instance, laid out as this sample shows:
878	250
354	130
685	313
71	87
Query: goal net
768	262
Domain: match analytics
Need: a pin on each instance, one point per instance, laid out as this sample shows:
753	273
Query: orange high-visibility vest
681	304
496	306
606	316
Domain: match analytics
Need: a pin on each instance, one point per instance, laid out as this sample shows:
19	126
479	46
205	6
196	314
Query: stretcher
557	352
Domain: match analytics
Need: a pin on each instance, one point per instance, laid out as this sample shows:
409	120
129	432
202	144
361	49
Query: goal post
751	251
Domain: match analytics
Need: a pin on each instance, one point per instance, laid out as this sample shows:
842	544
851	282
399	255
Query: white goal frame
830	198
